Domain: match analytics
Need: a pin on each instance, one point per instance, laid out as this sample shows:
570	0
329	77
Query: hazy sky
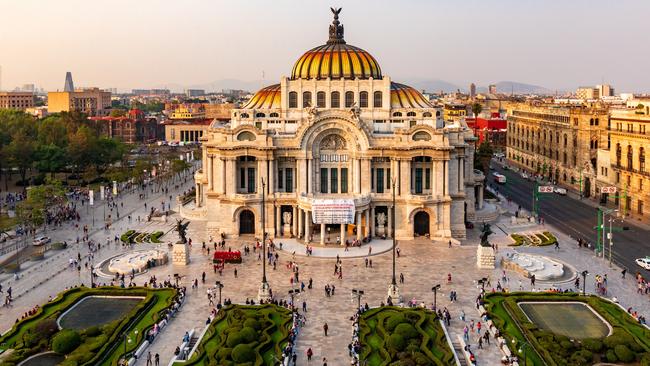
143	43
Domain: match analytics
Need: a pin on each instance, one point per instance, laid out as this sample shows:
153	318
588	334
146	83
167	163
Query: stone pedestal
264	293
180	254
485	257
393	292
381	230
286	230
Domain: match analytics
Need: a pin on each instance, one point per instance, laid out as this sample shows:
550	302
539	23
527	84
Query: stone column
310	176
271	183
390	222
355	177
301	173
343	227
461	174
221	169
210	173
230	177
405	177
365	176
433	177
480	197
307	226
278	221
372	222
322	234
294	221
452	176
262	173
197	194
359	225
300	224
366	231
439	173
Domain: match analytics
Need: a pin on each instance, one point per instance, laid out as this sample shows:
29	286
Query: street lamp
264	293
584	274
435	296
127	338
522	349
393	290
482	282
358	294
293	292
219	285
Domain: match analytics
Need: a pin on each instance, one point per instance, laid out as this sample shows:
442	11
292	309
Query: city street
577	218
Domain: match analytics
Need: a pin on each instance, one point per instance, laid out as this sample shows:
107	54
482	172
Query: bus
500	178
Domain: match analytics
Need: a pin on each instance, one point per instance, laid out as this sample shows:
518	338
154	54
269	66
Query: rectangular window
242	178
363	99
251	180
427	178
380	180
344	180
334	180
388	181
640	207
280	180
640	184
323	180
372	179
320	99
289	176
418	180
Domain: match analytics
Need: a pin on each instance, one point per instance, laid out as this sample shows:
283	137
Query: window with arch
437	113
260	115
421	136
320	99
335	101
618	155
349	99
426	114
557	137
630	156
274	115
397	114
363	99
566	140
642	160
306	99
246	136
293	99
377	96
596	121
410	114
244	115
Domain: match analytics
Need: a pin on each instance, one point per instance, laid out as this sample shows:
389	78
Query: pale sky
124	44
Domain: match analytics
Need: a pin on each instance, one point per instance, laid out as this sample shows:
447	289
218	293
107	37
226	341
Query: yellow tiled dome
265	98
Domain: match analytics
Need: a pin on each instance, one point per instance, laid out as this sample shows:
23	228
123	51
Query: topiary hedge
66	341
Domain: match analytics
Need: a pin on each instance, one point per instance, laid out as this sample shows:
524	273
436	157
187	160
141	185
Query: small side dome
421	136
246	136
404	96
265	98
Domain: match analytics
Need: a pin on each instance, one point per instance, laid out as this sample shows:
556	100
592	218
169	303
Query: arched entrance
587	188
421	224
246	222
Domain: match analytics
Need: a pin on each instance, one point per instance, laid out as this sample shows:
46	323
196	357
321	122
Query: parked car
644	262
41	240
560	191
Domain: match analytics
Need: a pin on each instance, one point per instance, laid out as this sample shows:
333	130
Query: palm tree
476	109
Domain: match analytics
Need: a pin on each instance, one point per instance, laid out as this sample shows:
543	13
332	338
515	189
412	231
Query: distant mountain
236	84
432	85
507	87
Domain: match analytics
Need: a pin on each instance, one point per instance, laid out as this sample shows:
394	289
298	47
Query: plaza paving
424	264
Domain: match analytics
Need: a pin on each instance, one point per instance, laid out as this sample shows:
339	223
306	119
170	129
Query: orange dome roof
265	98
404	96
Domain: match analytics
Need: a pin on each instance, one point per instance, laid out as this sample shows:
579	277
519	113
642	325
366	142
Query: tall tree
21	153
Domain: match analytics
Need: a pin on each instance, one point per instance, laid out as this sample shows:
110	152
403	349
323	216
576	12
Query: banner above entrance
329	211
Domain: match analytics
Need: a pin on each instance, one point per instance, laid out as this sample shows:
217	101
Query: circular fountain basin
544	269
137	261
43	359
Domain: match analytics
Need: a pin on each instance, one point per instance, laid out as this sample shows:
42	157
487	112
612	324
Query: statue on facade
311	113
336	28
181	228
381	219
486	231
354	113
286	218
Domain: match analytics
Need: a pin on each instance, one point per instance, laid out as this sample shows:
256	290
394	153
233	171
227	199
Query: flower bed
228	257
537	239
132	236
391	335
628	343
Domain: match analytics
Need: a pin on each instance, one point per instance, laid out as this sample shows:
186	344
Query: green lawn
629	342
244	335
411	336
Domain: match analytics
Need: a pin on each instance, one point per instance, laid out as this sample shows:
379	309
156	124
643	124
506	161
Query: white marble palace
325	148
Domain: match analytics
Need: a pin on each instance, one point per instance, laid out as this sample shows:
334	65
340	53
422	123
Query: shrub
396	342
224	353
155	237
406	330
234	338
566	345
58	246
46	328
393	321
248	334
252	323
645	360
619	337
93	331
243	353
592	344
623	353
611	356
65	341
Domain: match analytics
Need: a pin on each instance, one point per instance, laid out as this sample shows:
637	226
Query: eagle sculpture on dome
336	28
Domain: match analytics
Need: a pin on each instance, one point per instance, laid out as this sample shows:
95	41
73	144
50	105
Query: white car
524	175
644	262
41	240
560	191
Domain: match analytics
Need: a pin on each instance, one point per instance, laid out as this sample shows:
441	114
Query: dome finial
336	28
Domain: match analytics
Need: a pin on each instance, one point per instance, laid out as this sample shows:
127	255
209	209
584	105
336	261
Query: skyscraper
472	90
69	85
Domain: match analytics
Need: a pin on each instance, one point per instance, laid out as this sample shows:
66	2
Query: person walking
309	354
157	359
324	361
325	328
149	363
304	306
401	278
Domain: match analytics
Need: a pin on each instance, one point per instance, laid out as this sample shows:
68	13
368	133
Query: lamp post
358	294
293	292
264	293
522	350
393	290
128	339
219	285
584	274
435	296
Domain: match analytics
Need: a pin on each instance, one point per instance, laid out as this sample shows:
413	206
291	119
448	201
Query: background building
132	128
16	100
92	101
493	129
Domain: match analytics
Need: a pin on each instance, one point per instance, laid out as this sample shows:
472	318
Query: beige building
185	131
92	101
219	110
559	142
322	150
16	100
629	135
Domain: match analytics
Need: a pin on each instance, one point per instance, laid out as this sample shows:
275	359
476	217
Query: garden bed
629	341
535	239
252	335
132	236
91	346
391	334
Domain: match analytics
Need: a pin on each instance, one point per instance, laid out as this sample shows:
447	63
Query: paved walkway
376	246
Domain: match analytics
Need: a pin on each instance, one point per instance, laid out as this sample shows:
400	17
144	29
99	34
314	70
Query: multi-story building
326	147
492	89
598	92
492	129
185	111
132	128
92	101
185	131
454	112
559	142
629	136
472	90
220	111
16	100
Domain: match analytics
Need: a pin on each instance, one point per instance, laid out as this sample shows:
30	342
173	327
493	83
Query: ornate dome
336	59
265	98
404	96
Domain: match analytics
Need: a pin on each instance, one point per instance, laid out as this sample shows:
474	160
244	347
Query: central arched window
426	114
306	99
410	114
320	99
260	115
397	114
363	99
335	101
377	99
293	100
349	99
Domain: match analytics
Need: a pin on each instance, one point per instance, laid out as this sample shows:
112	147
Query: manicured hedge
552	349
244	335
409	336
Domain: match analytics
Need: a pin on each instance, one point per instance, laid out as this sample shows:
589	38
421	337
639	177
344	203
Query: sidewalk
377	246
